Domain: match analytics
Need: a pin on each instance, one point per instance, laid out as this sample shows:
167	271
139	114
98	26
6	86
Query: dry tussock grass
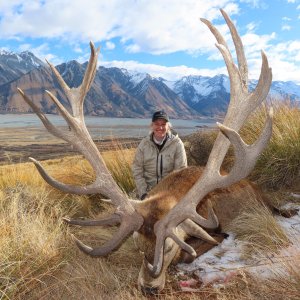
257	226
30	241
278	166
33	239
38	259
84	277
118	161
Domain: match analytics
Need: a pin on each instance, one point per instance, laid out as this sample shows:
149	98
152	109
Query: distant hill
119	92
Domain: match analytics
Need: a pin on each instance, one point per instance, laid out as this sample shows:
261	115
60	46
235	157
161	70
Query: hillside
119	92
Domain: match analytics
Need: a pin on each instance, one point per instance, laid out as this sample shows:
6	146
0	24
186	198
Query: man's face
160	128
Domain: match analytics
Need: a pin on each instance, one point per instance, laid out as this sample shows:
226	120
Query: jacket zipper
161	167
157	167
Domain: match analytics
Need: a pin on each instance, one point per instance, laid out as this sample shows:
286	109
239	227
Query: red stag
165	222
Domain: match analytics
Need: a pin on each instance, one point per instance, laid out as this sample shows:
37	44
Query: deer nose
146	290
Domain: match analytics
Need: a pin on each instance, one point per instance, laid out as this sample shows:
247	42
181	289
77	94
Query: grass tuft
119	162
257	226
279	165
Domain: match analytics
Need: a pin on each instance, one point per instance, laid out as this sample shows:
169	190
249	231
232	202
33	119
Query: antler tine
263	86
93	188
220	39
236	84
242	62
159	253
112	220
245	155
77	95
242	104
60	80
169	231
195	230
128	225
89	75
235	76
48	125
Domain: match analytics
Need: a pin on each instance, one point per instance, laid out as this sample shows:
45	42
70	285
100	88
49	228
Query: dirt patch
42	151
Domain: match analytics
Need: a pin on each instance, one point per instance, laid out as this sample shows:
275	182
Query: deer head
167	232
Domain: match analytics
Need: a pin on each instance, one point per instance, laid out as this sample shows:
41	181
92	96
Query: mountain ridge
118	92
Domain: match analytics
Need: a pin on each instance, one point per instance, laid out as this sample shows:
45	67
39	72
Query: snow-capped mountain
207	95
135	77
119	92
282	90
210	95
198	85
13	65
114	93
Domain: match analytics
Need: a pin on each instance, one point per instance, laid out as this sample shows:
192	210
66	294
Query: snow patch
134	76
170	84
225	261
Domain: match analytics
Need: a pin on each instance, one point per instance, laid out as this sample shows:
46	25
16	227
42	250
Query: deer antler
242	104
79	137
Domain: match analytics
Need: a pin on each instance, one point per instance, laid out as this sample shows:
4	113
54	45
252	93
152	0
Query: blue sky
160	37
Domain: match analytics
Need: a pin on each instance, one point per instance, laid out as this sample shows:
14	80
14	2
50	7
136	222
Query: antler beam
79	137
242	104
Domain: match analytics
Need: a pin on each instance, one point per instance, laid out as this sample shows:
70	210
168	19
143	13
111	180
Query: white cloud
77	48
254	43
286	27
169	73
133	48
110	45
252	26
155	27
149	26
284	58
42	51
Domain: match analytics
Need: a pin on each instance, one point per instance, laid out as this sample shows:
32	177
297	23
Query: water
102	127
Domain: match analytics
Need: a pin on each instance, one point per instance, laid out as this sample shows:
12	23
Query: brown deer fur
227	203
171	189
